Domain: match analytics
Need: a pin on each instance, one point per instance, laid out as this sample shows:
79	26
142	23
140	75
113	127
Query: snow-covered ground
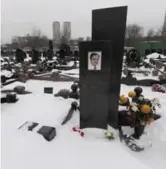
29	150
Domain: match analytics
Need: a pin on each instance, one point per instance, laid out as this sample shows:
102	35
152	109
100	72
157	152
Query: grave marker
100	88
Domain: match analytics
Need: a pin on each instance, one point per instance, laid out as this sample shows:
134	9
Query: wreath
133	58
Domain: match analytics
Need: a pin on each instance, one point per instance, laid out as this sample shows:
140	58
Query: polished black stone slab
94	84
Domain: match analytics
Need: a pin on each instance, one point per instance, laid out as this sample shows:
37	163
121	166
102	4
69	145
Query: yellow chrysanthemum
145	109
131	94
123	99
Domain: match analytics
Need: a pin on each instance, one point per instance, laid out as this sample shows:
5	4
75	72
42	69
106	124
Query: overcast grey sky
19	17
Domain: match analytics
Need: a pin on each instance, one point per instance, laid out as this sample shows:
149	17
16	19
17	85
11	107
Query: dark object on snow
129	141
19	55
11	98
3	100
138	91
48	90
123	118
156	117
74	94
138	131
74	87
19	89
35	56
129	80
3	78
63	93
28	125
147	82
30	128
73	108
48	132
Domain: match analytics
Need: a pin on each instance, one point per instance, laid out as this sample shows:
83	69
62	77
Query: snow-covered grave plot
29	150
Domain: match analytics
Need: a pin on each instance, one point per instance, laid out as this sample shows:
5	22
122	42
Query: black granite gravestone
110	24
48	90
95	61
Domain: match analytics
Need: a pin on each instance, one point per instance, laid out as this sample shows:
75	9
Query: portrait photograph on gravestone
94	60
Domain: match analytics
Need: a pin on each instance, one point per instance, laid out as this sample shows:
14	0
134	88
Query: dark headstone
95	84
159	65
155	72
19	56
48	90
35	56
48	132
11	97
3	78
105	26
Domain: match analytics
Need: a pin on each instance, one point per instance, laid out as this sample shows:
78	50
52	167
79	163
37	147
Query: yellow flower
123	99
132	94
145	109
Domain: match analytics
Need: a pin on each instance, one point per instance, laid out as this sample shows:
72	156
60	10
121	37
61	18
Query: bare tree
150	34
34	40
134	33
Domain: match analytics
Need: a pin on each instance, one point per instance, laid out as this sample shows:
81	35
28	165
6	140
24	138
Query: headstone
155	72
164	68
19	55
48	90
158	65
11	97
105	26
95	61
55	76
3	78
125	71
35	56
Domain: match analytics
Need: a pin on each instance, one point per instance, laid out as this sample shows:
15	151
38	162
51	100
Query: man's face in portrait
94	60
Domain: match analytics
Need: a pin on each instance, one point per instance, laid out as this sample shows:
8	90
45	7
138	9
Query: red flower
74	129
82	134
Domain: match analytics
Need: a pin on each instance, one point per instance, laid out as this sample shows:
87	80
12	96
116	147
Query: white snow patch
29	150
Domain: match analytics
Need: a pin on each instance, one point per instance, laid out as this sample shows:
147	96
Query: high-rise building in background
67	30
56	32
164	27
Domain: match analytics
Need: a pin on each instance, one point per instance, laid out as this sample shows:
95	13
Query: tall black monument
100	88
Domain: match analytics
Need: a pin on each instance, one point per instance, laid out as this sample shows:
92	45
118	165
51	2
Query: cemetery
104	105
